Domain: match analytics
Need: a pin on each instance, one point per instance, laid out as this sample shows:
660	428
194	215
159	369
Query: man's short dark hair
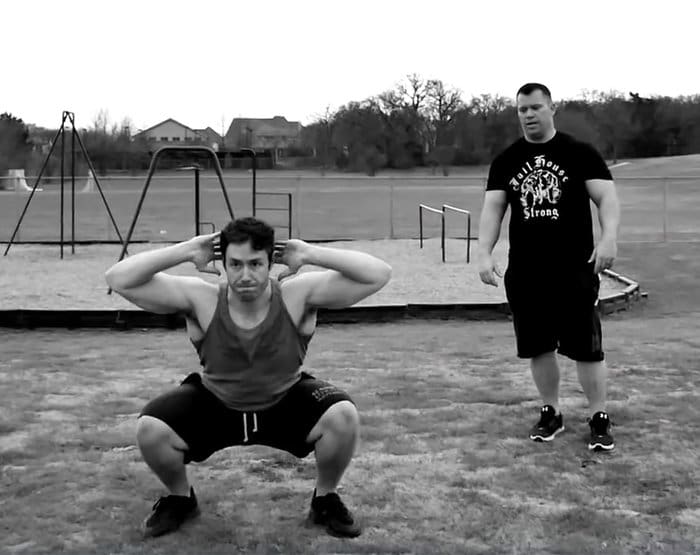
243	230
529	88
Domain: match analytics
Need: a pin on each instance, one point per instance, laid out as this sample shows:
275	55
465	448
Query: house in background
169	132
210	138
270	138
275	135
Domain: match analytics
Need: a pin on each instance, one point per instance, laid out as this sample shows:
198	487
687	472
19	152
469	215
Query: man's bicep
164	294
331	289
495	202
598	189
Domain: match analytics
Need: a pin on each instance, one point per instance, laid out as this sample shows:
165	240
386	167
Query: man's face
247	270
536	114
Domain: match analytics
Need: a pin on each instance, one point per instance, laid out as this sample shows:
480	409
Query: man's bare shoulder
296	288
201	289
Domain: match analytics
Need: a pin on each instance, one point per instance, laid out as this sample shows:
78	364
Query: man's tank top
250	370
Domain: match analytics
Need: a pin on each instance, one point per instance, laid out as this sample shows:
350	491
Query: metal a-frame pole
75	135
36	184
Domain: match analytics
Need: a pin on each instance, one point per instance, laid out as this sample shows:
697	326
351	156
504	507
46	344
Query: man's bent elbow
384	276
115	280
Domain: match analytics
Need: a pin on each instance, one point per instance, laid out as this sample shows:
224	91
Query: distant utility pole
223	132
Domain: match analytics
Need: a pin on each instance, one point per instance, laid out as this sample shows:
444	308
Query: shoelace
600	426
545	417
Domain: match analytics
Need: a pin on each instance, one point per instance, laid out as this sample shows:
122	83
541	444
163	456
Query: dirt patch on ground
35	277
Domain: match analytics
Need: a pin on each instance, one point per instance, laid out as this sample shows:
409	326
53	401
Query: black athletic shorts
556	312
206	425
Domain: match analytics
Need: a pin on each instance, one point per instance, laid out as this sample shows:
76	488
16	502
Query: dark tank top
251	370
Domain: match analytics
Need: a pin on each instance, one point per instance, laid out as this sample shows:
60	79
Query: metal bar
469	236
31	195
254	164
430	209
455	209
72	189
422	207
420	224
442	238
196	201
63	155
255	170
469	224
151	170
289	221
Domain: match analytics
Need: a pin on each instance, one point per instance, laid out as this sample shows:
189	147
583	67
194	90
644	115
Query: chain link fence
654	209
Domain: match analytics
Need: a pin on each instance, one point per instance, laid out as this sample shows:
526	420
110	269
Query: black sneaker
331	512
169	513
601	440
549	426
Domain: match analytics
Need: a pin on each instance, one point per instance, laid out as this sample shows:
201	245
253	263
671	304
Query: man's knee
152	432
341	420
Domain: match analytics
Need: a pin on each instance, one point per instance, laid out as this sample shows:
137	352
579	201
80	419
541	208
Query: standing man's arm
604	195
349	276
492	212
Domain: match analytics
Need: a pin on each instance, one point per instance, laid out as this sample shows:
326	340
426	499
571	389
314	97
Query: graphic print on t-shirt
539	184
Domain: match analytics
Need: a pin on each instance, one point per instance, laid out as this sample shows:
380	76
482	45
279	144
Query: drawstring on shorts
245	425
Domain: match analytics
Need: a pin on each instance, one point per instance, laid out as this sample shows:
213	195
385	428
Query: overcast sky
204	62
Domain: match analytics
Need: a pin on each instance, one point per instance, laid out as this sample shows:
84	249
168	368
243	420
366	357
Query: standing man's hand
603	255
205	249
488	270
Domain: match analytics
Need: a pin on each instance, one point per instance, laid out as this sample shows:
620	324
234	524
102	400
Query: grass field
336	206
444	464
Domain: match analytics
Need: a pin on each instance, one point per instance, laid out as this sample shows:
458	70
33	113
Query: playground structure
288	196
15	181
18	182
75	136
151	170
442	213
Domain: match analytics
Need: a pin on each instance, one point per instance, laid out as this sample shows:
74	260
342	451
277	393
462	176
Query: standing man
251	333
548	179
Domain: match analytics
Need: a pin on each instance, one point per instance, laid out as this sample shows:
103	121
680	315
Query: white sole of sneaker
548	438
599	447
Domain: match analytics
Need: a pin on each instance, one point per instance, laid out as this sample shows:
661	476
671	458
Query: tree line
423	122
419	123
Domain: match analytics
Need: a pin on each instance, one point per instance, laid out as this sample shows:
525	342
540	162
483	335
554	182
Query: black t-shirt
550	207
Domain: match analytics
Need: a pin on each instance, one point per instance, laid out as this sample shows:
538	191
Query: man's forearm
357	266
140	268
489	231
609	217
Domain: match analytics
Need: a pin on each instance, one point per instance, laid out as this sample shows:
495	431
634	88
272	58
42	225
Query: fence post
391	209
298	209
665	207
442	235
420	224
